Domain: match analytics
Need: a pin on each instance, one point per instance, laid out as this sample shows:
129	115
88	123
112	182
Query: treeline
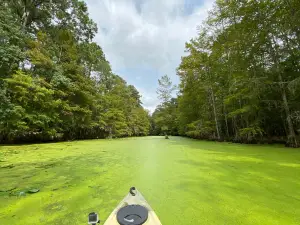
240	79
55	83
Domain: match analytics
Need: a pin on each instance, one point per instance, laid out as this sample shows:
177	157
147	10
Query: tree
11	42
165	89
239	80
164	116
56	83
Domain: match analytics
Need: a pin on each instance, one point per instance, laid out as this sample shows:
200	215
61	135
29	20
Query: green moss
185	181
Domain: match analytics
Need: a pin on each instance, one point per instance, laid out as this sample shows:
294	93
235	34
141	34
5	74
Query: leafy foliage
164	118
56	83
240	76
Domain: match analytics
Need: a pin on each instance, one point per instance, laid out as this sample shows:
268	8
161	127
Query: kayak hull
136	199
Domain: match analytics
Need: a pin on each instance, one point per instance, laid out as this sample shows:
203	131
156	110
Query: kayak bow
133	210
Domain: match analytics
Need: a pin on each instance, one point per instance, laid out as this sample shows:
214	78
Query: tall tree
165	89
165	114
55	81
240	77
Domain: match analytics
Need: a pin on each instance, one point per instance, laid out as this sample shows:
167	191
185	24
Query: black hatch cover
132	215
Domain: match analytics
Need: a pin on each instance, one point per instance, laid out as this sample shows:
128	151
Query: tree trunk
110	132
235	128
24	18
226	120
291	136
292	139
60	54
215	113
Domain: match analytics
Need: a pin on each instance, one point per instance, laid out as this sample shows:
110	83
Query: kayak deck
134	197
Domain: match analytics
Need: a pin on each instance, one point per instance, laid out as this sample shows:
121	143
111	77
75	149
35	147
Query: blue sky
144	39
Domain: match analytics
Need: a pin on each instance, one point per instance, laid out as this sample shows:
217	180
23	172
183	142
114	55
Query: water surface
185	181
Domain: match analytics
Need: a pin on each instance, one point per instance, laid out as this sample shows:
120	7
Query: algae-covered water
185	181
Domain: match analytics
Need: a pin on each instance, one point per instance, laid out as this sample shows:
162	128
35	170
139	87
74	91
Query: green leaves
11	42
55	81
165	89
240	77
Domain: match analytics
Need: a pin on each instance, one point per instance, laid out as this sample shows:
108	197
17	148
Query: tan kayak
133	210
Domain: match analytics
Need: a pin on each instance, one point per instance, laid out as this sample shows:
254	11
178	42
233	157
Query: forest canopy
55	82
240	77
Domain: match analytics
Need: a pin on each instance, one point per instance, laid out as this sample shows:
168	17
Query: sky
145	39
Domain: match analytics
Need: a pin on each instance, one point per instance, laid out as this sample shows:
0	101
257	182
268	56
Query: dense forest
55	83
239	78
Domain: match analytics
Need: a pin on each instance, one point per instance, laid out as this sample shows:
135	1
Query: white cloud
145	33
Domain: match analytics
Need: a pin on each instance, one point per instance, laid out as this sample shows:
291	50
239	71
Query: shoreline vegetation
239	78
55	81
